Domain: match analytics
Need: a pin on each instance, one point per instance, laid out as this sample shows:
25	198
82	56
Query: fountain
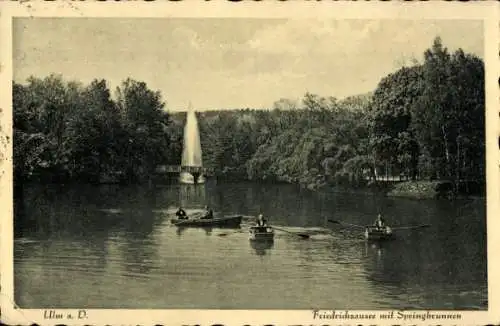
191	152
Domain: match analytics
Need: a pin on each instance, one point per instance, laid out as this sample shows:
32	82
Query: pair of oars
301	235
298	234
392	228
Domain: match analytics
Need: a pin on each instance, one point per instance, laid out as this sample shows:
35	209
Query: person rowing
209	213
261	221
181	214
379	222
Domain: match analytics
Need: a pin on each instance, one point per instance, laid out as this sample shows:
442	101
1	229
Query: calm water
114	247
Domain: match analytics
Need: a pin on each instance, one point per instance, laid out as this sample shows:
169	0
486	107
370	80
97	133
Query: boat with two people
206	219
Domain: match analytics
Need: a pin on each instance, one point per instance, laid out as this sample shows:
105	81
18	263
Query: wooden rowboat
263	233
378	234
232	221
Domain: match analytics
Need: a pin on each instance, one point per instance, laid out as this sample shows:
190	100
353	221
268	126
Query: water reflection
80	238
191	195
208	231
180	230
139	246
385	264
261	248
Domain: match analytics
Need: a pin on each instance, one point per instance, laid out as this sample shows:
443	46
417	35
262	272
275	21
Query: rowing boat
376	233
263	233
232	221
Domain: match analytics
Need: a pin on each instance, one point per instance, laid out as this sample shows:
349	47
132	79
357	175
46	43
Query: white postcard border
488	12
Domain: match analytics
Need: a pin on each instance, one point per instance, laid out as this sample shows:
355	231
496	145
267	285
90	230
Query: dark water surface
114	247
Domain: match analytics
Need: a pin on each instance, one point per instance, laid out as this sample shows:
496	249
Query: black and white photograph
326	164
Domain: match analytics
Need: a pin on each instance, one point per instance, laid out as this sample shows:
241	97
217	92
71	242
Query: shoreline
414	190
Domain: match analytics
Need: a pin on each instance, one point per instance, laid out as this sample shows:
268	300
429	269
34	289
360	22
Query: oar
411	227
349	224
393	228
302	235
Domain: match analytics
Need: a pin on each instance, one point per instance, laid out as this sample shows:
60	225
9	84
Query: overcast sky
231	63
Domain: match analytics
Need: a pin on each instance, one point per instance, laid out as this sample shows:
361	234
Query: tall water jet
191	152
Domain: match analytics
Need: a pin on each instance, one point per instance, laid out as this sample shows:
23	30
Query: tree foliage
69	131
429	119
421	121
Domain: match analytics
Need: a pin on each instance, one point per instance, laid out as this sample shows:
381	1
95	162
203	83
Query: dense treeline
68	131
424	121
295	142
429	118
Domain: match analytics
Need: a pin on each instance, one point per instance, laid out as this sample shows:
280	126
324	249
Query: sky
224	63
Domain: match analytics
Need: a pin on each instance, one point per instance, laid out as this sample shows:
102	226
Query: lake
114	247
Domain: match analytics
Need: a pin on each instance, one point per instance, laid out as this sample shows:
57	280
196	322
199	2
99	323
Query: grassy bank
410	189
437	189
421	189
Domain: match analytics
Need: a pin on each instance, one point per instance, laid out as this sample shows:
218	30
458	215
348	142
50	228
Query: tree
393	139
449	114
42	108
91	133
432	113
146	124
70	131
468	145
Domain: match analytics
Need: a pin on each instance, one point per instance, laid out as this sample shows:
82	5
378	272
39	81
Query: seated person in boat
181	214
261	221
379	222
209	213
